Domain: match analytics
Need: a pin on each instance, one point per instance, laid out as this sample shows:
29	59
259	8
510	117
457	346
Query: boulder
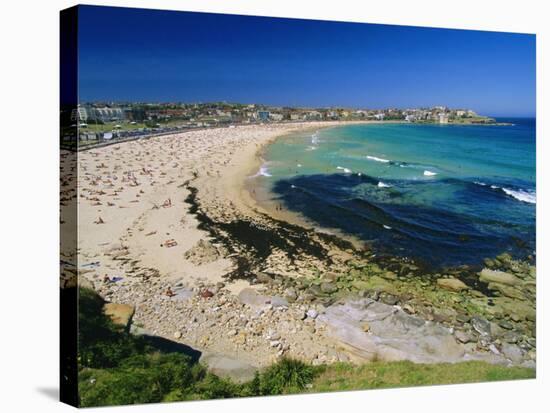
227	367
254	299
507	291
290	294
501	277
481	325
374	330
328	287
312	313
451	284
512	353
463	336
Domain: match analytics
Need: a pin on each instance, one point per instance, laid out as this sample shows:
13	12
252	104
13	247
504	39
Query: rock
507	291
492	276
312	313
451	284
290	294
331	276
496	330
512	353
315	290
481	325
489	263
516	310
493	349
530	364
510	337
409	309
264	278
328	287
120	314
503	259
506	324
227	367
389	299
278	302
273	335
299	314
463	318
389	275
203	252
463	336
393	334
252	298
177	335
232	333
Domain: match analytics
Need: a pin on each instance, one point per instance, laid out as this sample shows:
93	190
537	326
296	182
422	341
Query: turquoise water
444	194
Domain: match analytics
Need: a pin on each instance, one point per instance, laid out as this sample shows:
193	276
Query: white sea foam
346	170
293	186
263	171
299	165
520	195
386	226
311	148
430	173
383	185
374	158
314	139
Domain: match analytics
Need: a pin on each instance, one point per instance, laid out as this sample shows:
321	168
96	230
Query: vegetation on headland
117	368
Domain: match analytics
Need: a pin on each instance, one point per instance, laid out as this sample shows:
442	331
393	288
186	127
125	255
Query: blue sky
162	56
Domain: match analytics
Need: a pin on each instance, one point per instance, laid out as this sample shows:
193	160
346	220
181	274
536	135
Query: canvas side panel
68	205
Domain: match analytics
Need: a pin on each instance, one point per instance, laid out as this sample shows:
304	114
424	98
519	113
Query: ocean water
442	194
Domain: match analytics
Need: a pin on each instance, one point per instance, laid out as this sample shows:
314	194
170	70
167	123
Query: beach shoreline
173	213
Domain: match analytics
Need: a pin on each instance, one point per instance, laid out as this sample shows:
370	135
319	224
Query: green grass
378	375
116	368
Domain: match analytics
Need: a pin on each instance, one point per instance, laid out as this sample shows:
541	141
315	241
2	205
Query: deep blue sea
442	194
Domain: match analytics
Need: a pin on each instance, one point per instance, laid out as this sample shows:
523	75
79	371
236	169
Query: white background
29	202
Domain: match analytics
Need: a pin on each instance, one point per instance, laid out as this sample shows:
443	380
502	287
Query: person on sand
99	221
169	292
106	279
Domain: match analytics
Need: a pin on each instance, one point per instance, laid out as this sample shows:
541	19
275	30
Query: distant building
263	115
379	116
276	116
101	114
313	115
443	118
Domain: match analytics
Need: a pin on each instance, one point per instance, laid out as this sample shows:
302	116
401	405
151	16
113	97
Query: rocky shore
167	228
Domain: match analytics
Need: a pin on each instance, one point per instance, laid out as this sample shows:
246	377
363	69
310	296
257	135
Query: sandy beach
172	213
135	227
